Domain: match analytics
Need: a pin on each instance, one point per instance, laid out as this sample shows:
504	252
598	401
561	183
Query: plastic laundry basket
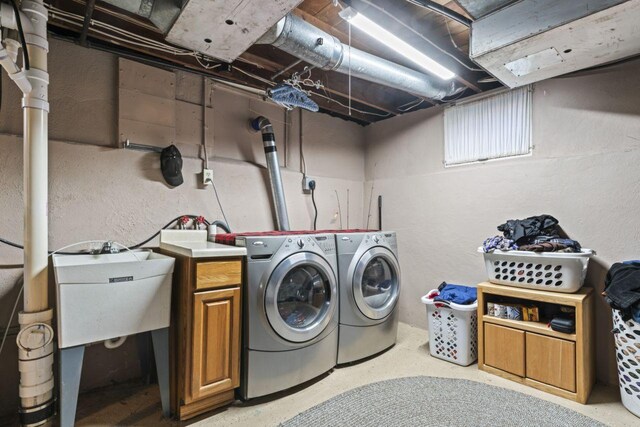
548	271
453	331
627	337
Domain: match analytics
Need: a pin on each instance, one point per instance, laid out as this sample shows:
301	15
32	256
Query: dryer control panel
325	243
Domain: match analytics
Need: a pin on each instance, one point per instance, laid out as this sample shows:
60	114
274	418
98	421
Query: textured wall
584	170
103	192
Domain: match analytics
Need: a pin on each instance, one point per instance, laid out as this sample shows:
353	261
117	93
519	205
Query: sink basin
108	296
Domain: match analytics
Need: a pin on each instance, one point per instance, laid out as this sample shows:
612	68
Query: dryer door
301	297
376	283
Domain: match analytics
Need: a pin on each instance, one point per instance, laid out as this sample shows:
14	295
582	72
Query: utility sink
112	295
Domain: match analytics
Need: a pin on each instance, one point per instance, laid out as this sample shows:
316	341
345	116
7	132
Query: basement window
495	127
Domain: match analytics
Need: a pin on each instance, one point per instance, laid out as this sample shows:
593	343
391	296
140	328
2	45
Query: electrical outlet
207	176
306	184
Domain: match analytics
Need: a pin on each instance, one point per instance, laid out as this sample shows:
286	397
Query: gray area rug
430	401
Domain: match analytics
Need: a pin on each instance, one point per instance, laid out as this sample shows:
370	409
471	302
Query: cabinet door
215	356
504	349
551	361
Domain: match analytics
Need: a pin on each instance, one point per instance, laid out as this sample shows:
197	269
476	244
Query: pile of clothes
622	289
537	234
457	294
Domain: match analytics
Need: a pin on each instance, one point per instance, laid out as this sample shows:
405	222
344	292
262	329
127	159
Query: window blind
490	128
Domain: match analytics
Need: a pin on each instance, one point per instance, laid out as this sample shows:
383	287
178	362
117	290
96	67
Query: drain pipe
297	37
277	191
35	340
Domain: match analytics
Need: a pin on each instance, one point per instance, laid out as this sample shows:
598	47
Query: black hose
25	53
218	223
221	224
163	228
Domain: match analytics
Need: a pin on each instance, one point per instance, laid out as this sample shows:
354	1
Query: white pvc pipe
35	111
114	342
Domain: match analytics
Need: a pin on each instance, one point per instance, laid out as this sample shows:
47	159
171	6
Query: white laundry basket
453	330
627	337
548	271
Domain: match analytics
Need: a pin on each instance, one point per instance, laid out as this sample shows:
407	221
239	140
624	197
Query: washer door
376	283
300	297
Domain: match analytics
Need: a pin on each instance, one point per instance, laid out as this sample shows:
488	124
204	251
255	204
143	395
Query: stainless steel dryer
369	282
290	311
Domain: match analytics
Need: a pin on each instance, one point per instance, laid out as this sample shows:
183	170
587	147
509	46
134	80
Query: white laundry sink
108	296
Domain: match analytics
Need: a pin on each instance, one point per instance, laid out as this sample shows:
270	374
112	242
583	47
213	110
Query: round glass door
300	297
376	283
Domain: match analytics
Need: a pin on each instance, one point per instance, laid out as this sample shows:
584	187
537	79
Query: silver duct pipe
294	35
277	190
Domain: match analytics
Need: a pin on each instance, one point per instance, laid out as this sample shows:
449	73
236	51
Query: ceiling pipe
297	37
35	344
262	124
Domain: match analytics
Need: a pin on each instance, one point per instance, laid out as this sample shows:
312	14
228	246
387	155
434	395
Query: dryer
290	311
369	282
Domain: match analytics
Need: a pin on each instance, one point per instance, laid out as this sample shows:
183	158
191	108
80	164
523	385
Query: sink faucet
107	248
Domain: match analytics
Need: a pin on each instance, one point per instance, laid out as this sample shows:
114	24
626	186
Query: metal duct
277	190
294	35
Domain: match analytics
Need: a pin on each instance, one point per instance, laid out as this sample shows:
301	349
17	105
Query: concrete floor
139	405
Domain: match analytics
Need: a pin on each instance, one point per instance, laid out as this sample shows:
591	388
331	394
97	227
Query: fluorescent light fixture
363	23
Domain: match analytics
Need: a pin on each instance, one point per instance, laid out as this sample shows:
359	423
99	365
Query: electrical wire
315	208
339	208
20	283
215	191
410	105
25	53
129	37
304	163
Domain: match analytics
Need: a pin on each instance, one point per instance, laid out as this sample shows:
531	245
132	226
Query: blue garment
457	294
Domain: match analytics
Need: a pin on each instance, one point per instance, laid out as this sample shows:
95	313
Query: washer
290	311
369	282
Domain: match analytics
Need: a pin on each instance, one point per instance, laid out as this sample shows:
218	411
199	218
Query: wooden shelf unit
532	353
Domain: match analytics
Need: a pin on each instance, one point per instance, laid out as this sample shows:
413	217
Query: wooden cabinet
551	361
216	342
205	333
504	349
531	352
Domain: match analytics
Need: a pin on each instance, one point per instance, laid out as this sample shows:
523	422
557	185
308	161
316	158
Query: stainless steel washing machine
290	311
369	282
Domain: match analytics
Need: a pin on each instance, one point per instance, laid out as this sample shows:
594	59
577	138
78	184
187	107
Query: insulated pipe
277	190
297	37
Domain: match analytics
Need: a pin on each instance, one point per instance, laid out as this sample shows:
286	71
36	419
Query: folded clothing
524	231
500	243
457	294
622	288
